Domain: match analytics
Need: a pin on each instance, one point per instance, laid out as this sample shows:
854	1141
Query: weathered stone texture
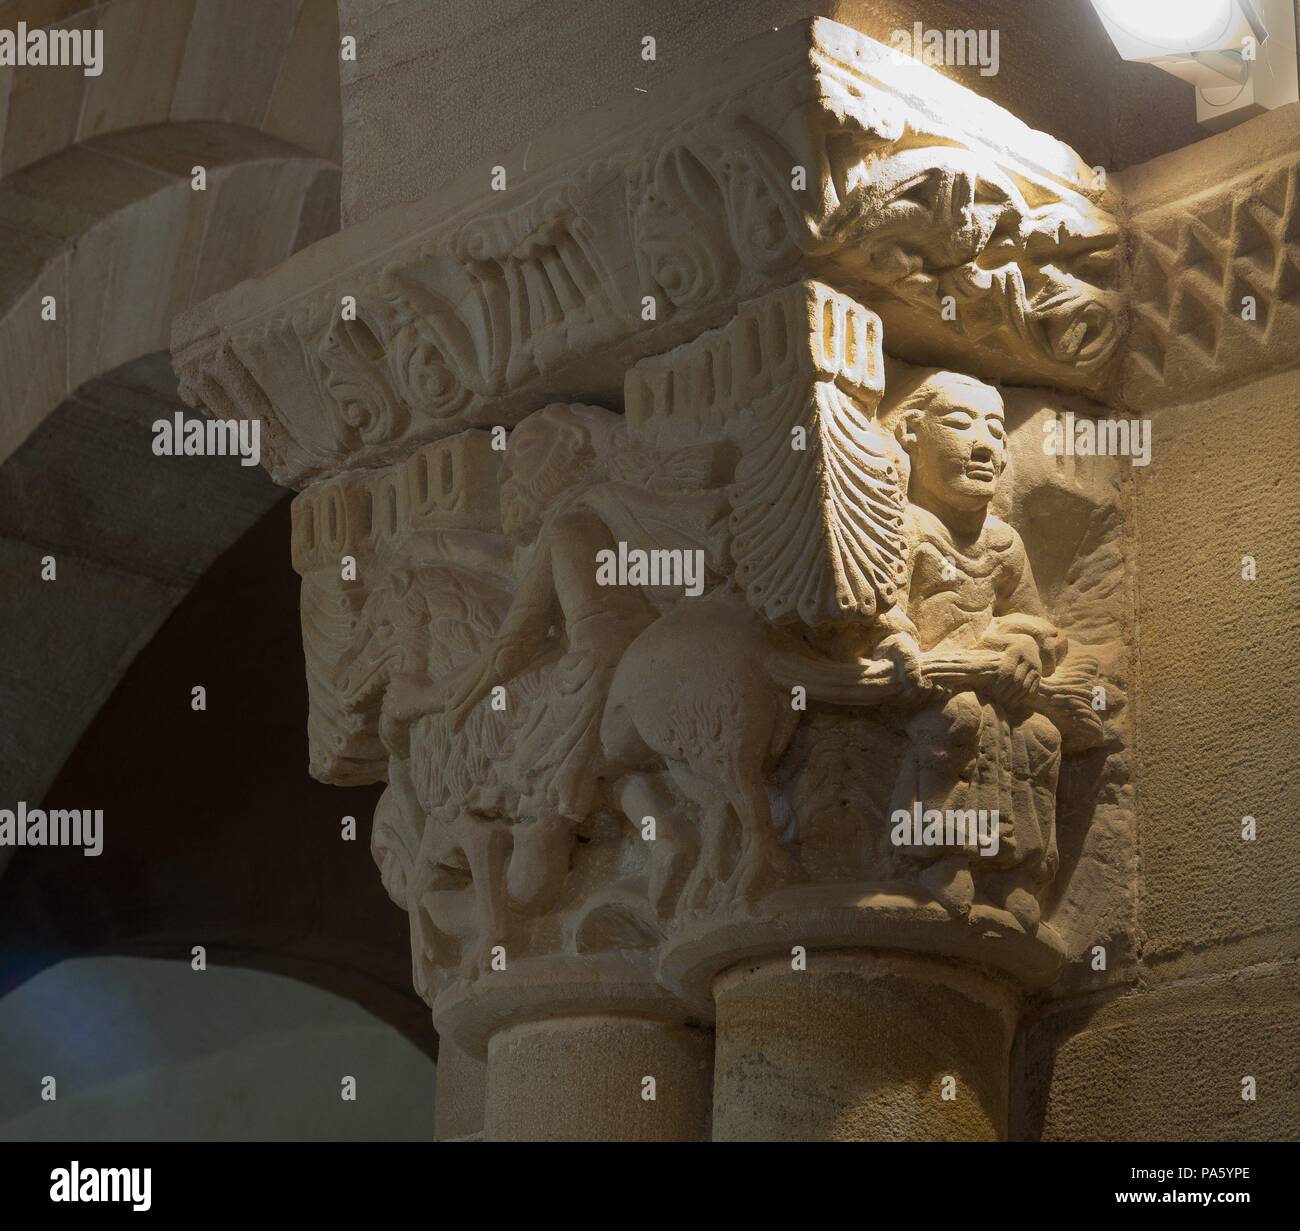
584	1079
487	77
1166	1064
858	1048
1217	720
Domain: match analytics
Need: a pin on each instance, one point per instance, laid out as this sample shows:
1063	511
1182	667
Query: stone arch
98	210
213	832
169	62
128	534
114	232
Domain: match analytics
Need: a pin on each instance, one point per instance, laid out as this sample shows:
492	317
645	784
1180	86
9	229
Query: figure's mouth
1076	332
978	470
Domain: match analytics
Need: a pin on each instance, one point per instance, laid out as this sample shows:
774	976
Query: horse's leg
642	795
486	845
711	808
539	860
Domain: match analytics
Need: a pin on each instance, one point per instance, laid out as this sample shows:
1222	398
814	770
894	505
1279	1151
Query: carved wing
818	531
342	731
816	495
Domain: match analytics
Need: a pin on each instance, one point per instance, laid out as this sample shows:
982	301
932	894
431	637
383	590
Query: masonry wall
1218	987
485	78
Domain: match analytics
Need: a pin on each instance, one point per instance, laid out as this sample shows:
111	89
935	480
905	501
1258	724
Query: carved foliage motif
815	167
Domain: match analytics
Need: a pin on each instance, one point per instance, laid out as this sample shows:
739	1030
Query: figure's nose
990	444
982	452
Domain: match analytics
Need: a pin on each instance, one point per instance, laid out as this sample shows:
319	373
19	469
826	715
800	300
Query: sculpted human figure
553	655
559	612
970	587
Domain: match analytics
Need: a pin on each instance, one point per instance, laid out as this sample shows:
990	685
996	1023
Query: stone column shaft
598	1078
861	1046
462	1081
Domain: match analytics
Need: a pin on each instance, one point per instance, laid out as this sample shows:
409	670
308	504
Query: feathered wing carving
342	730
817	531
816	493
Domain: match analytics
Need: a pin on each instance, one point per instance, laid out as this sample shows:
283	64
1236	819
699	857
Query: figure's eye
997	428
957	420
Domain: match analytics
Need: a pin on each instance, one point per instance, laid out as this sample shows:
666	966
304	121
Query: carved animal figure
693	693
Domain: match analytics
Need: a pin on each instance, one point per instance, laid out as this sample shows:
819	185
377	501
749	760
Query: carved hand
1019	672
500	664
902	650
400	709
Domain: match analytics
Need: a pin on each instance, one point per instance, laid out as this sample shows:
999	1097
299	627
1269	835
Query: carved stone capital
607	786
815	153
668	553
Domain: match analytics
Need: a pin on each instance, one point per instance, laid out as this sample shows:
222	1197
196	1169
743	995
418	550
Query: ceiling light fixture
1239	54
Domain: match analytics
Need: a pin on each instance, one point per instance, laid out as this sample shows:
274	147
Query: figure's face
395	620
526	458
958	444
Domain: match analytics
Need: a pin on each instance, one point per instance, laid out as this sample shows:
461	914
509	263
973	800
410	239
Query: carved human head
553	454
394	633
953	430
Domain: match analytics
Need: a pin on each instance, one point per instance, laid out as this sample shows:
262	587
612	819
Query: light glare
1172	25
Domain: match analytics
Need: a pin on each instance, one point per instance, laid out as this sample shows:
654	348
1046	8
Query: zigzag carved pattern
1192	269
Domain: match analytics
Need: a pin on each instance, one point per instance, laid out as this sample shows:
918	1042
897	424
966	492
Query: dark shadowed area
214	834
